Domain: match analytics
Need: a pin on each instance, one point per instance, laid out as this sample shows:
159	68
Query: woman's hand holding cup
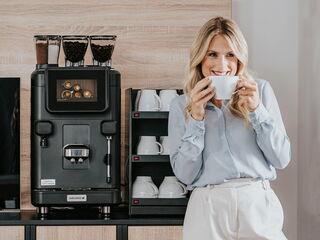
248	94
200	95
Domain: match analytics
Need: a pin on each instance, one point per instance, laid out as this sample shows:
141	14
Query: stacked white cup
148	100
148	145
164	141
143	187
172	188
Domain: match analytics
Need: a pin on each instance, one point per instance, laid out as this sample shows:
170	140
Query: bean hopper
75	126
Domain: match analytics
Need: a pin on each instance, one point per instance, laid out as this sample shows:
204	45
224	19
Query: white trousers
244	209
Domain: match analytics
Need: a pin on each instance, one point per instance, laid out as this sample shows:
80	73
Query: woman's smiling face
220	60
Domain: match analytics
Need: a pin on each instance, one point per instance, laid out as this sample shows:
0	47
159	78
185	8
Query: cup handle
161	148
159	101
136	104
184	188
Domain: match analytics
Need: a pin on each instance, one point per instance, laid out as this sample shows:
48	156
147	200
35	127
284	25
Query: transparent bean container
41	44
74	48
54	42
102	47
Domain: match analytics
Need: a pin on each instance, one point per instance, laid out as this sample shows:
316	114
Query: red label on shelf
136	201
136	158
136	114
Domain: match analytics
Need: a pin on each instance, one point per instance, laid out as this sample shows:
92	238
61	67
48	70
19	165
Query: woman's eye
213	54
230	55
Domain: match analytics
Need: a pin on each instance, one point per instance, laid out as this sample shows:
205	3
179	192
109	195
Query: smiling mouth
220	73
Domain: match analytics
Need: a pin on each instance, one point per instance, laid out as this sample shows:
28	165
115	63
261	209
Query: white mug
149	100
224	86
172	188
143	187
164	141
148	145
166	96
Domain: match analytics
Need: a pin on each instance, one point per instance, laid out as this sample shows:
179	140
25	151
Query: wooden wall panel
152	48
76	232
12	232
155	232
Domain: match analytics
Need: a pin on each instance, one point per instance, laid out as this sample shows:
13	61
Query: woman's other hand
248	94
200	95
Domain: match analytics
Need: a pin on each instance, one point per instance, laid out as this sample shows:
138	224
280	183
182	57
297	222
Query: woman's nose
222	62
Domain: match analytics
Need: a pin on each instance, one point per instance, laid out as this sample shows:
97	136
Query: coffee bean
102	53
74	51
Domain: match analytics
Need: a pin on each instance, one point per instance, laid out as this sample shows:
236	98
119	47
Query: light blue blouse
221	147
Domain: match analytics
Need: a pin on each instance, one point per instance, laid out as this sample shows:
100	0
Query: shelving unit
156	166
150	158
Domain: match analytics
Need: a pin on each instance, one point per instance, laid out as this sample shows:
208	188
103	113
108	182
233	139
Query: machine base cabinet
11	232
155	232
76	232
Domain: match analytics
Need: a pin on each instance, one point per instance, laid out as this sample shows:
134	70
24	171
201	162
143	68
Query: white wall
309	121
270	28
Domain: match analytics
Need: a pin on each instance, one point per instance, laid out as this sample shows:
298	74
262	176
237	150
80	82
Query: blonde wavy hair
231	32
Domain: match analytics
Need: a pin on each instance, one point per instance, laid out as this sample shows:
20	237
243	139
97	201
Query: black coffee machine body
75	137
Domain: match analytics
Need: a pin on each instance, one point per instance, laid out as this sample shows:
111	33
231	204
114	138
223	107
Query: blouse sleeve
270	132
186	139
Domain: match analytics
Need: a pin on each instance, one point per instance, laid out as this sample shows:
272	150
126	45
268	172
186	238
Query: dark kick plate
69	198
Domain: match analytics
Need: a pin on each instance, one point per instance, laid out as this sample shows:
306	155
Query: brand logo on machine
48	182
77	198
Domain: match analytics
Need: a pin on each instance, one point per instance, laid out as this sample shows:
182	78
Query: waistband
242	182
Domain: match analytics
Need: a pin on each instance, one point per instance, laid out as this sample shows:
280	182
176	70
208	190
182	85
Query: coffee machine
75	133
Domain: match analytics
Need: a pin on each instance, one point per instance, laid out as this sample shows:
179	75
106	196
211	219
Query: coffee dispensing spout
108	128
108	159
44	129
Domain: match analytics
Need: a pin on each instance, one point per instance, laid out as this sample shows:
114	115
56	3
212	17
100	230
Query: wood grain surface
155	232
76	232
12	232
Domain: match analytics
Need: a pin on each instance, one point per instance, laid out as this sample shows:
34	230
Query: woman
226	151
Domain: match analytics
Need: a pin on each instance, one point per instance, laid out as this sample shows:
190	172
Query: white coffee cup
164	141
149	100
172	188
224	86
148	145
143	187
166	96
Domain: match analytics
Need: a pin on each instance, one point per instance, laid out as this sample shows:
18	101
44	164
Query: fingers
243	100
201	90
205	99
247	85
246	92
202	94
201	85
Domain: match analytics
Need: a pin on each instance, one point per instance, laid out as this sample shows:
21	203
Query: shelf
157	210
149	115
159	201
9	179
150	158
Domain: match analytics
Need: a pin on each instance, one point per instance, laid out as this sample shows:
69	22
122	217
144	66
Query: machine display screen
76	90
